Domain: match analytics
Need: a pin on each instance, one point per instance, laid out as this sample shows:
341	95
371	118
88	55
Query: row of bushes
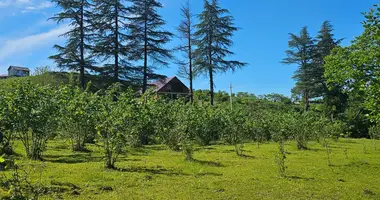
115	119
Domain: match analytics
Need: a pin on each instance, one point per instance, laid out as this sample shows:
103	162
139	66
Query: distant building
15	71
170	87
3	76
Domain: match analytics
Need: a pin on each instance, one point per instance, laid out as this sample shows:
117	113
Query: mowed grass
154	172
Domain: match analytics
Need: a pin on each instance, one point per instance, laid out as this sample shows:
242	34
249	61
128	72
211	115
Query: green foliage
355	67
374	132
301	52
31	114
109	21
18	183
78	116
213	34
147	38
115	122
72	56
280	158
237	129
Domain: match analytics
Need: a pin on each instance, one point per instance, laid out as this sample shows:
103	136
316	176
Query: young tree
77	115
112	38
237	129
213	40
115	125
301	52
72	55
186	33
148	37
32	112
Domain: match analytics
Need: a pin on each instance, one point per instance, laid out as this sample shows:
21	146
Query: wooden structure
170	87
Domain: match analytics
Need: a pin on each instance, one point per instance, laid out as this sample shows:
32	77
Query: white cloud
31	43
6	3
40	6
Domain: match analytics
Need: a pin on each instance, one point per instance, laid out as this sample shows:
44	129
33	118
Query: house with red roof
170	87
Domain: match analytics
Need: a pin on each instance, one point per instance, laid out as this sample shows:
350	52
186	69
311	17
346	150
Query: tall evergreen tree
301	51
186	34
110	19
325	44
72	55
148	38
334	99
213	40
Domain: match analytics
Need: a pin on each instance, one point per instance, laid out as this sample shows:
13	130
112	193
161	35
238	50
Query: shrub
236	129
115	125
77	116
31	111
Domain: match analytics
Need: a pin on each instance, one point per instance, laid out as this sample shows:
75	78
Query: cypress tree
334	99
325	44
148	38
110	20
301	51
215	29
72	55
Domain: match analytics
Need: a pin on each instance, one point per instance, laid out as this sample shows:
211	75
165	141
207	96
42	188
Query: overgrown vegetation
336	96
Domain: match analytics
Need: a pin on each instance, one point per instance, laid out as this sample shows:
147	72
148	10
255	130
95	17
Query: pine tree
72	55
110	19
335	100
301	52
213	40
148	38
325	44
186	34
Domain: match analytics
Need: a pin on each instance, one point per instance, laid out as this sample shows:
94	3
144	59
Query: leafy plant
374	133
115	117
77	116
32	113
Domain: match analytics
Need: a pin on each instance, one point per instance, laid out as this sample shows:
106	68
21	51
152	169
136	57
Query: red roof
160	84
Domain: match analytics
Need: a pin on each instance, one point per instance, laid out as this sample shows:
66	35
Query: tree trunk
211	86
116	70
145	79
82	62
307	101
190	60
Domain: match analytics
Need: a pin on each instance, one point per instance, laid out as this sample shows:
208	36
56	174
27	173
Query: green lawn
154	172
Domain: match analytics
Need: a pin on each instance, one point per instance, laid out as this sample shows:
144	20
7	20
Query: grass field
154	172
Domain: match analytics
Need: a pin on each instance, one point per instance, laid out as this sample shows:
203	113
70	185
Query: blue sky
26	37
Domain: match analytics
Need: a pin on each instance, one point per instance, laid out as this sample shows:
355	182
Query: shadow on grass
156	148
247	156
141	151
300	178
60	147
316	149
205	148
233	151
209	163
157	170
208	174
360	163
59	188
64	184
72	159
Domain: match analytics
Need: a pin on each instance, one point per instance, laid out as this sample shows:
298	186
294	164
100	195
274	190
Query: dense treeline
115	119
125	39
340	82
